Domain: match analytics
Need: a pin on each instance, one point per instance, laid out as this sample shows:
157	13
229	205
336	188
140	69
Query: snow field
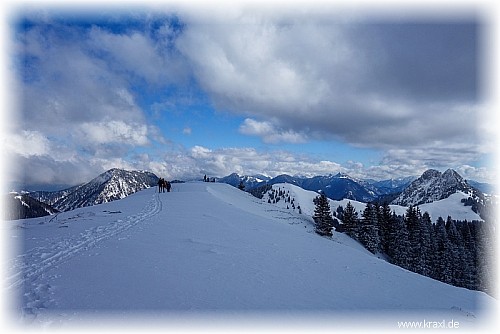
209	250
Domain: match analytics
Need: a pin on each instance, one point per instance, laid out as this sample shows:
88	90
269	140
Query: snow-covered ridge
212	248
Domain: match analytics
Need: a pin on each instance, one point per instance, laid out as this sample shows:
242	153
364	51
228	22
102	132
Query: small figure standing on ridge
161	183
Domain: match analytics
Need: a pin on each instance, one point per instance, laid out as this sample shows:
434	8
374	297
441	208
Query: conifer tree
350	221
443	263
398	242
456	253
412	221
468	242
322	216
427	247
485	278
368	234
384	220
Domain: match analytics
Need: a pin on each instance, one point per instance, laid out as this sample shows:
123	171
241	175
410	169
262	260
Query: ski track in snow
42	259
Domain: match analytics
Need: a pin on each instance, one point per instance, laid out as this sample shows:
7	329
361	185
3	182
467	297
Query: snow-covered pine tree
427	245
350	221
322	216
384	220
469	255
412	220
443	265
485	248
399	245
368	234
456	253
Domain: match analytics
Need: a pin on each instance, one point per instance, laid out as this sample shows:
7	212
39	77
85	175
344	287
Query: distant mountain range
336	187
431	186
248	181
118	183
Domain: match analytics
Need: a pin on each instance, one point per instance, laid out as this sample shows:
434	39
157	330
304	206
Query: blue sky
185	91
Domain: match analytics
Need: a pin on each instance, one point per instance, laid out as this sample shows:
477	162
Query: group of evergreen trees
275	195
455	252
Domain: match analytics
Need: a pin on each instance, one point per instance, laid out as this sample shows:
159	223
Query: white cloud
295	77
201	160
369	84
244	64
77	99
139	55
269	133
481	174
99	133
66	84
200	152
27	143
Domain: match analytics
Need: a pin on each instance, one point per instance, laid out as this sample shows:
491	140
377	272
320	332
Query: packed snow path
208	248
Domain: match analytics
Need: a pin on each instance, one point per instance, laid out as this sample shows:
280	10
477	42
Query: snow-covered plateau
209	255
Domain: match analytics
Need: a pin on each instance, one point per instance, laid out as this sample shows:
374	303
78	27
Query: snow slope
209	254
450	206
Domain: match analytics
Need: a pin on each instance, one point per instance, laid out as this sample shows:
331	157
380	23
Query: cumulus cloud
269	133
27	143
64	86
77	91
410	90
114	131
137	54
200	160
379	85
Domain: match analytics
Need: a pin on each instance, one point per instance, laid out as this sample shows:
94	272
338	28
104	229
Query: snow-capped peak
111	185
433	186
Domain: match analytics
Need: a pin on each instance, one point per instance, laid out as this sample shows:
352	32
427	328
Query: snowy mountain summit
109	186
434	186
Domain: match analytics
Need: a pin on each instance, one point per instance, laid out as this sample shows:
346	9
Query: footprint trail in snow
26	268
